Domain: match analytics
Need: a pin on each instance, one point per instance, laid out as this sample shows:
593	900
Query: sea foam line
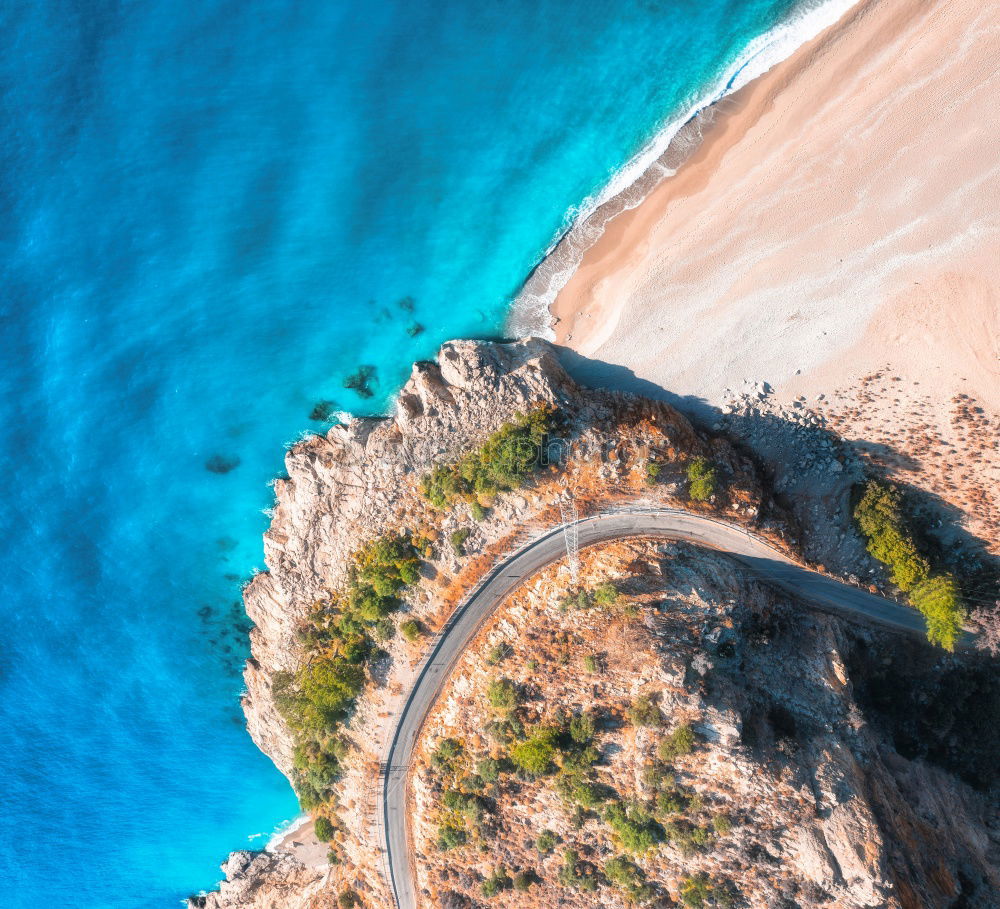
584	223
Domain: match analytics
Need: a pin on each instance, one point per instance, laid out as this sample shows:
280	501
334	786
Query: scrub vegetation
881	518
501	464
339	641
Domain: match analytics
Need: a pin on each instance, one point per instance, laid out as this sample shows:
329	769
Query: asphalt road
752	553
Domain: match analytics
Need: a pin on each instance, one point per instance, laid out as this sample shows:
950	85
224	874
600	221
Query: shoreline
837	208
659	160
832	245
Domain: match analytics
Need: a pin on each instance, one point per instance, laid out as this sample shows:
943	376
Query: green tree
503	695
324	829
678	743
644	712
880	517
457	540
535	754
630	878
635	828
702	479
451	836
546	841
411	630
447	754
582	727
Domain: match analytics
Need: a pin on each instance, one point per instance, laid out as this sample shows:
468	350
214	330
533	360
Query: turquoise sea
212	213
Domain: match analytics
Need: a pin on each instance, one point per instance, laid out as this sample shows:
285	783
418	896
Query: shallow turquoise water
209	214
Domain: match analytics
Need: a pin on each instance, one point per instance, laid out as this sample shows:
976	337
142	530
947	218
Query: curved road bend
750	552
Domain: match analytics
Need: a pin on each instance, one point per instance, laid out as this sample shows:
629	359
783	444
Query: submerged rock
222	463
361	380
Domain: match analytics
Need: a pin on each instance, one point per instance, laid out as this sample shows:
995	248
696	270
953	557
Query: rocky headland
364	481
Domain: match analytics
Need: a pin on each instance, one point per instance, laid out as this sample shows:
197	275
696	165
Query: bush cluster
703	482
339	640
678	743
602	595
629	877
881	518
502	463
699	890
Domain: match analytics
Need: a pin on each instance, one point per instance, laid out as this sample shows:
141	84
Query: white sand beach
841	216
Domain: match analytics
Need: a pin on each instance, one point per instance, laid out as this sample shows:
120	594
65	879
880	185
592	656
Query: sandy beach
836	233
841	213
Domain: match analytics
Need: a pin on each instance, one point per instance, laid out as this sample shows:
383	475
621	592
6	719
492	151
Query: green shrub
497	881
384	630
722	824
644	712
447	754
699	891
587	794
636	829
411	630
580	759
880	517
696	891
348	899
502	463
702	480
463	803
451	836
324	829
571	876
670	802
678	743
478	512
503	695
590	663
606	594
498	653
546	841
535	754
630	878
653	471
457	540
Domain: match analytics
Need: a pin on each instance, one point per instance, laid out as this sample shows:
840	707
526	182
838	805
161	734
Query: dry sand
841	213
839	221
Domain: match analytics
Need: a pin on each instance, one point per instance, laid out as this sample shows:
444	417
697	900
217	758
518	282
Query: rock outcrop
350	485
360	480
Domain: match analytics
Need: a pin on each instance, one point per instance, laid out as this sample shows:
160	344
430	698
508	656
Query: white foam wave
530	312
283	829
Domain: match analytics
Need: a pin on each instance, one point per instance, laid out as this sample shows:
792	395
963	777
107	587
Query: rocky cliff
360	480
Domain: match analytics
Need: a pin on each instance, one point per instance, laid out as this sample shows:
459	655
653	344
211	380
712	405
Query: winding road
752	553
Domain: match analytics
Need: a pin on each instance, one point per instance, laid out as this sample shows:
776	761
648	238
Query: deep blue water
208	212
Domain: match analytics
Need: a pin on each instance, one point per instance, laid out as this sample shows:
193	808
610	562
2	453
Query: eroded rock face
264	880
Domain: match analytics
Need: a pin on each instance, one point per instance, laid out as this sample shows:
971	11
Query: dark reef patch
219	463
361	381
324	411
